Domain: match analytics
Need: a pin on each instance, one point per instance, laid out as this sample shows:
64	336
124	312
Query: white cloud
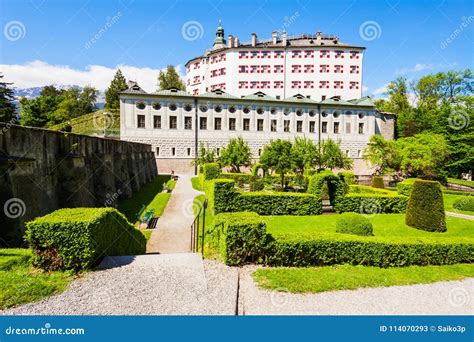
39	73
381	90
421	67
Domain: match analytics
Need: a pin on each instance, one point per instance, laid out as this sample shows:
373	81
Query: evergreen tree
118	84
170	79
7	107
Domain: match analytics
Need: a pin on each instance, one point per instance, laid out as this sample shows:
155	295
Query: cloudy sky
80	42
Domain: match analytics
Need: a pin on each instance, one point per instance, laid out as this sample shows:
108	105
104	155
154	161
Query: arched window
141	105
156	106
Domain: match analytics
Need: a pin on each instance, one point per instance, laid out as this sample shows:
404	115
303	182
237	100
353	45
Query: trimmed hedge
242	238
377	182
356	224
336	187
228	199
366	203
406	186
211	171
426	208
347	177
364	189
240	178
466	204
77	238
256	184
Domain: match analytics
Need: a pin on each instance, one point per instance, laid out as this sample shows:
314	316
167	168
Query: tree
205	155
277	156
118	84
170	79
304	153
7	107
330	156
236	154
382	154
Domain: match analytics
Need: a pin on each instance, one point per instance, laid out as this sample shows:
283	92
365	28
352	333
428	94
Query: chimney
283	39
274	37
318	38
236	42
254	39
230	41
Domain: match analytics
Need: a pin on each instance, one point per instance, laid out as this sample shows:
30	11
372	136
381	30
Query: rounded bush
356	224
377	182
466	203
425	207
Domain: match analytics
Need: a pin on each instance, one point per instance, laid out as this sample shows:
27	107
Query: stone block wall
43	170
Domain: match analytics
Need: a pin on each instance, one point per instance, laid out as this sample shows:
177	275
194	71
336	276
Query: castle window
156	121
254	54
260	110
172	107
203	109
324	127
361	128
243	69
246	125
232	124
173	151
348	127
217	124
309	54
336	128
299	126
278	54
286	125
218	109
188	122
188	151
141	105
312	125
336	114
140	121
156	106
232	109
157	151
273	126
173	122
312	113
296	54
339	54
338	69
203	123
260	125
354	54
246	110
188	107
361	115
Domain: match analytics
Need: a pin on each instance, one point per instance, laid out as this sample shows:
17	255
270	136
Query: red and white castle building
316	66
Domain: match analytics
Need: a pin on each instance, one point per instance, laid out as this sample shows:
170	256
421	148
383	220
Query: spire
219	41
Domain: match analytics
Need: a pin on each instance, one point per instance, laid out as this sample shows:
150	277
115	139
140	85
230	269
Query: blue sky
50	41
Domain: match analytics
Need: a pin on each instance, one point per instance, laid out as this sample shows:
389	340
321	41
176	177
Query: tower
219	41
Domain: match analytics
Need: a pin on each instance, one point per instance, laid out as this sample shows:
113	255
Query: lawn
20	283
449	200
131	207
387	228
346	277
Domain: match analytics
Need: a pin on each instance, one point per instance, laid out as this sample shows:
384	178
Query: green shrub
377	182
406	186
364	189
76	239
336	187
256	168
240	238
228	199
352	223
211	171
256	184
347	177
240	178
466	203
425	207
367	203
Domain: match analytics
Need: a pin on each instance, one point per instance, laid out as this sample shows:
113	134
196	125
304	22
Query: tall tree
205	155
170	79
277	156
7	107
236	154
304	153
330	156
118	84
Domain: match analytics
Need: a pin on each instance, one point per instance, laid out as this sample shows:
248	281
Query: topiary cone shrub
377	182
425	207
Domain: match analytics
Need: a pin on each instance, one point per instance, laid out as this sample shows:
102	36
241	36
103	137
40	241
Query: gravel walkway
168	284
173	233
442	298
464	216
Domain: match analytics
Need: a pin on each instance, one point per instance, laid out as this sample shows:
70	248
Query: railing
197	225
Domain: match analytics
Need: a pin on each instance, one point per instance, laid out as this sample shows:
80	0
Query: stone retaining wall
43	170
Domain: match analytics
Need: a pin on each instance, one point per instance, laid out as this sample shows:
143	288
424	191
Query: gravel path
442	298
173	233
464	216
168	284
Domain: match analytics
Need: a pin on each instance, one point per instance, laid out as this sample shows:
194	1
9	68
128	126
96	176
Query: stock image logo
370	30
192	30
14	208
14	30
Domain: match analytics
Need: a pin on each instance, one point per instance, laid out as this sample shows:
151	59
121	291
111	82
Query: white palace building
308	85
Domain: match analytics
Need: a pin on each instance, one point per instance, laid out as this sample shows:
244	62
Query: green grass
130	207
346	277
95	123
196	184
449	200
461	182
20	283
387	228
146	233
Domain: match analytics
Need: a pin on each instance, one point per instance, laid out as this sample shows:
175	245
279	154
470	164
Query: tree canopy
118	84
236	154
277	156
170	79
7	107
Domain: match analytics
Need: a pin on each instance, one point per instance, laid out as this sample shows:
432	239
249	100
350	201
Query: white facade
315	66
